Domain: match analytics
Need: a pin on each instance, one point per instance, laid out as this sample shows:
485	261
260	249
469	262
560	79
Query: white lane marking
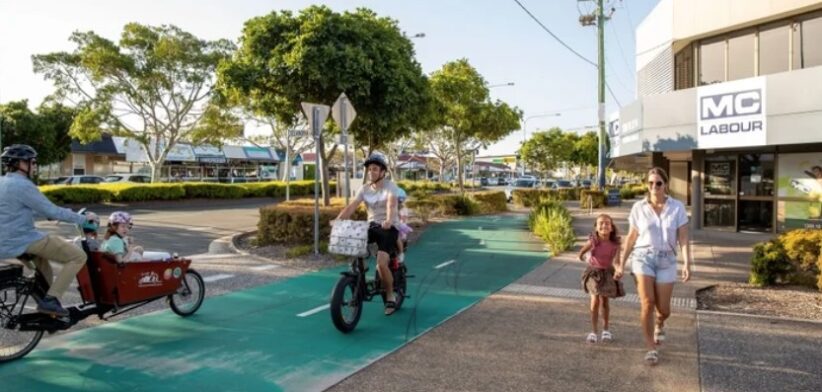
264	267
315	310
445	263
214	278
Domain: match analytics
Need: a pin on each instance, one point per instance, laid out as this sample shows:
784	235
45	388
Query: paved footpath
280	336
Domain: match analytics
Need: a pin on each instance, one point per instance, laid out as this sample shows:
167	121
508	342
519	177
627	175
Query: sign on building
732	114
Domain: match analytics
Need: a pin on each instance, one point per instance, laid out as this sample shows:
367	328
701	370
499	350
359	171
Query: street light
501	85
525	127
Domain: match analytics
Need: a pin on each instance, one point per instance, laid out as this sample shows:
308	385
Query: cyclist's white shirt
376	201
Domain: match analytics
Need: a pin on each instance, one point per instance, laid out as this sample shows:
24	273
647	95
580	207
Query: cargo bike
107	289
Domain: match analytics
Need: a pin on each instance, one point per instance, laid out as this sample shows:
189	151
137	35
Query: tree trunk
459	168
156	169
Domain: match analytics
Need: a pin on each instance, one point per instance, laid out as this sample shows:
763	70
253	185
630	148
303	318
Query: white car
127	177
520	183
80	180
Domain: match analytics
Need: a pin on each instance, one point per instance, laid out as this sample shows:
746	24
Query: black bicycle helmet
377	159
12	155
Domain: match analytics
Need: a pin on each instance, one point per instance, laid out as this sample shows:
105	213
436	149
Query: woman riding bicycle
380	198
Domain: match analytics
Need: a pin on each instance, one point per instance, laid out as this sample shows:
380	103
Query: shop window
684	68
712	62
741	57
756	175
773	48
720	175
807	52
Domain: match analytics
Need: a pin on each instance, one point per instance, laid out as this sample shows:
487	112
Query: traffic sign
343	112
312	110
299	133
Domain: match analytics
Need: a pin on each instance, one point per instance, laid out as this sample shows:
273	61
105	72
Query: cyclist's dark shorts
386	240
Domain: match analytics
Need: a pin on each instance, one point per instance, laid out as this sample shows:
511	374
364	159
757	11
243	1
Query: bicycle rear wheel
14	343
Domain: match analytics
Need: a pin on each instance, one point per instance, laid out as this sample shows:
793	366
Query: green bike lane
280	336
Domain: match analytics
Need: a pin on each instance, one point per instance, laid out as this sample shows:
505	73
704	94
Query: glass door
756	192
720	192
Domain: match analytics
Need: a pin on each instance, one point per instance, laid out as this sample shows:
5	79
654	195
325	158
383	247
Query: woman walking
659	225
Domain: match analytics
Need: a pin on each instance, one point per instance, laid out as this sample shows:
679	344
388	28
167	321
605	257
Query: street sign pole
343	113
288	166
345	136
315	128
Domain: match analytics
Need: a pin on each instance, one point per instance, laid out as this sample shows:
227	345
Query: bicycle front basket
349	238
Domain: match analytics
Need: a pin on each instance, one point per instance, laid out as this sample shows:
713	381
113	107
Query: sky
496	36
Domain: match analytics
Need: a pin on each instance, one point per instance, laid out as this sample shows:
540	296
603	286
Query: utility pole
599	18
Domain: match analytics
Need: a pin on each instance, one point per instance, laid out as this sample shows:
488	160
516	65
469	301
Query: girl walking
601	278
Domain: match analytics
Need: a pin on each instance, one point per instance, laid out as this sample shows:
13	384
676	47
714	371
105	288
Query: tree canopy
46	129
464	114
154	85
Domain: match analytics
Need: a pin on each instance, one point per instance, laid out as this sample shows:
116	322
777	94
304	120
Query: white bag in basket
349	237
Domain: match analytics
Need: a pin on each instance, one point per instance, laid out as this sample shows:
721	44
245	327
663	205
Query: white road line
214	278
315	310
445	263
264	267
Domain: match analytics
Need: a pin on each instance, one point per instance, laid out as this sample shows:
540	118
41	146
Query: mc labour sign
732	114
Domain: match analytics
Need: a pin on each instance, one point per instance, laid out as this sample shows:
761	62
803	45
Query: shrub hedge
793	257
293	222
458	205
91	194
551	222
532	197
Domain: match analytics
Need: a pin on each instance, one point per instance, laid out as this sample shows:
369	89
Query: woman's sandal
652	357
390	307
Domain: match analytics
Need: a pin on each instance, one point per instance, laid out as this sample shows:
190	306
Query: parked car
503	181
585	183
127	177
483	181
562	184
520	183
81	180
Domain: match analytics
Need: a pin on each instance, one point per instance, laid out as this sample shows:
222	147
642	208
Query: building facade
729	102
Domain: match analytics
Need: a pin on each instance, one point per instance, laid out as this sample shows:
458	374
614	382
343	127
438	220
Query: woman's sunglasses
657	183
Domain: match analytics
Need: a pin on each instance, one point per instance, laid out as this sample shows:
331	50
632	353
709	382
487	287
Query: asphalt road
183	227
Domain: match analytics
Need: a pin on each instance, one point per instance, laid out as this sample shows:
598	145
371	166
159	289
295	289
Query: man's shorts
386	240
659	264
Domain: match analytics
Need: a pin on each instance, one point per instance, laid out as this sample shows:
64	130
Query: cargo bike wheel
189	296
16	302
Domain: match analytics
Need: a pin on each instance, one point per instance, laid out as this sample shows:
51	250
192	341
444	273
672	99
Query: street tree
467	116
47	129
315	55
545	151
154	86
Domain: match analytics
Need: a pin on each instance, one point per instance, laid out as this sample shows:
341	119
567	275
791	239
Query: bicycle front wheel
14	342
346	304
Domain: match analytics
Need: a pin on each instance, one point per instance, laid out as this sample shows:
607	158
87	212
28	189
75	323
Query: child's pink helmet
118	217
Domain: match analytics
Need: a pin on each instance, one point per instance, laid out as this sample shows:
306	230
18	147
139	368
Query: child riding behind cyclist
403	227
